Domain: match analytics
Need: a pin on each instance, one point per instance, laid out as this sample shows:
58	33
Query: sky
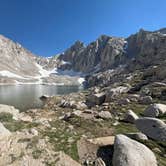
49	27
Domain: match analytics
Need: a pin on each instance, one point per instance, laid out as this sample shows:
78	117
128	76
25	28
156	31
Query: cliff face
141	49
106	52
147	48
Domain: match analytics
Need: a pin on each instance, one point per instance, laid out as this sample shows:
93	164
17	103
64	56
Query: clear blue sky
48	27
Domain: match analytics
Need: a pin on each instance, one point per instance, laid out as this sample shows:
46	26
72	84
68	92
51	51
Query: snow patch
10	74
81	80
65	62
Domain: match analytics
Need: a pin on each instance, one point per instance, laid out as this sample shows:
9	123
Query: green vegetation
124	128
6	117
18	125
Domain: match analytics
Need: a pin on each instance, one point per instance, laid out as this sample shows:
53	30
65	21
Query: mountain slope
20	66
16	59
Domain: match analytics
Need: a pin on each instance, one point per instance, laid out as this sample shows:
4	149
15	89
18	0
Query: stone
146	100
130	116
68	104
44	98
67	116
152	127
137	136
34	132
124	101
96	99
155	110
104	115
99	162
81	105
128	152
114	92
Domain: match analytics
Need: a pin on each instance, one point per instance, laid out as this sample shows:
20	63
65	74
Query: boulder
114	92
3	131
96	99
130	116
155	110
44	98
104	115
128	152
124	101
137	136
146	100
68	104
152	127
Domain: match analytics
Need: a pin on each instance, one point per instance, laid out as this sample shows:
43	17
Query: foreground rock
128	152
3	131
146	100
104	115
155	110
96	99
130	117
152	127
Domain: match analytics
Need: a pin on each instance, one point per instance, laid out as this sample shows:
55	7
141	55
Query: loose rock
155	110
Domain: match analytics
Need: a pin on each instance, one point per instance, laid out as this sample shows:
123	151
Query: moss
22	140
19	125
6	117
36	153
124	128
160	154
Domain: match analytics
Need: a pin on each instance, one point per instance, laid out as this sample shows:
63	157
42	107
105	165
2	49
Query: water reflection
27	96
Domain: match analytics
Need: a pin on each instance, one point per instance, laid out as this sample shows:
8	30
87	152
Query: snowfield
43	74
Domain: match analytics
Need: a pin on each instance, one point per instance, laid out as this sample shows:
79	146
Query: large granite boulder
155	110
128	152
152	127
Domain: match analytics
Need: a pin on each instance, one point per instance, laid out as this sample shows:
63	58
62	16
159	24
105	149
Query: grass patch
6	117
124	128
36	153
19	125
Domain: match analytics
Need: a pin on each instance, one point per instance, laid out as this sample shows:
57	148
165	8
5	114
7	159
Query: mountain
106	52
16	59
20	66
138	51
109	52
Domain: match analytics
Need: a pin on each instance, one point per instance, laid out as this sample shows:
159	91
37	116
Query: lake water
25	97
